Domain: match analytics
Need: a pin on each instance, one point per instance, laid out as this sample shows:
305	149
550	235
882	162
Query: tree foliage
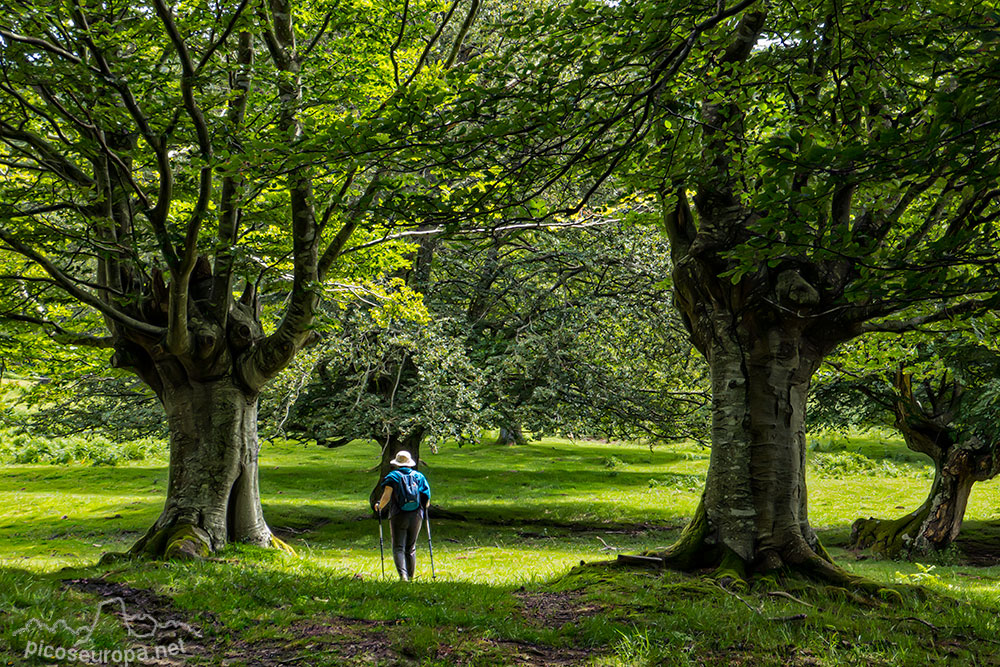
554	333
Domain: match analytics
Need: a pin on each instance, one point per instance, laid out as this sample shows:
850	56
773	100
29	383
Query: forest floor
514	524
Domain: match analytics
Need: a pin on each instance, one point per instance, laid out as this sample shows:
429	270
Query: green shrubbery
846	463
94	449
679	482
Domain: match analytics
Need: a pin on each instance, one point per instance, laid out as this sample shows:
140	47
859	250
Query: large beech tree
192	175
835	174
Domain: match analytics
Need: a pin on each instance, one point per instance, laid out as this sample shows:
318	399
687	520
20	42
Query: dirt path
152	620
165	634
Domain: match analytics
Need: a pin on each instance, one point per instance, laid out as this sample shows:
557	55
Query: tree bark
936	524
511	435
213	495
927	425
753	514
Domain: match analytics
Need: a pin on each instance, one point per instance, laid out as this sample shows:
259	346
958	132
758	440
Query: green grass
504	594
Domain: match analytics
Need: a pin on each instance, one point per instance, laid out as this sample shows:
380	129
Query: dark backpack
409	492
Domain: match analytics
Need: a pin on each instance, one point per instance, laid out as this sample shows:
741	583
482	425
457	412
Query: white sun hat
403	460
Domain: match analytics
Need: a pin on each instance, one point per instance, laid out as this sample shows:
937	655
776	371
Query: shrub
844	464
19	447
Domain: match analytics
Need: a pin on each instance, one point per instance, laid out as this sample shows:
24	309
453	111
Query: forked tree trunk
212	492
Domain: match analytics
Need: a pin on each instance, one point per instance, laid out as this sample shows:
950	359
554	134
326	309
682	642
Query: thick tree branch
178	336
61	335
45	45
223	38
946	312
336	247
678	223
278	349
232	185
46	155
69	285
463	31
158	214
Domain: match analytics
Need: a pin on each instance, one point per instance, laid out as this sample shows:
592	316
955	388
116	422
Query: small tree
937	397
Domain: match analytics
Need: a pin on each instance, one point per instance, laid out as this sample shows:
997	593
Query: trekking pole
381	552
430	545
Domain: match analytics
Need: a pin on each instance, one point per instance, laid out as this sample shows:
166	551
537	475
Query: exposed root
690	551
732	571
888	537
278	543
187	542
180	541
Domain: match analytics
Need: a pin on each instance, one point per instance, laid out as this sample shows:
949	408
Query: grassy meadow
516	523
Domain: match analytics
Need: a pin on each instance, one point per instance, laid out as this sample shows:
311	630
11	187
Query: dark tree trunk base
934	525
694	551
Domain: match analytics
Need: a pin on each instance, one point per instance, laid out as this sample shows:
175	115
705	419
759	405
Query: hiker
407	493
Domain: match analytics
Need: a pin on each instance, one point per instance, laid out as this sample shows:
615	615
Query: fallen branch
783	594
606	547
760	610
935	629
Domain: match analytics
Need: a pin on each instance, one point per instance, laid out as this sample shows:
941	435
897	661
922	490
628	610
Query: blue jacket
395	480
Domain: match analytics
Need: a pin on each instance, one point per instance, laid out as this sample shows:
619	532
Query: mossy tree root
179	541
691	551
889	538
694	551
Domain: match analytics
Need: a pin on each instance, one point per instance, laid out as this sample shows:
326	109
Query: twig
760	610
785	619
110	572
930	625
606	547
783	594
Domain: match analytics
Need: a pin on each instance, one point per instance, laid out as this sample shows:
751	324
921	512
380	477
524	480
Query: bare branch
178	336
223	37
463	31
336	247
47	155
60	335
945	312
229	208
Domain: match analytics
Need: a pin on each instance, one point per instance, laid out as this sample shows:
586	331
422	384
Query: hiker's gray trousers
404	527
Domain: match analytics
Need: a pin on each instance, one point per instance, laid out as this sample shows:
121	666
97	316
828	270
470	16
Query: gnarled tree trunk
212	492
926	426
753	514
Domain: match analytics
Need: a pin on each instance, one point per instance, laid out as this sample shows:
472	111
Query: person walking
406	493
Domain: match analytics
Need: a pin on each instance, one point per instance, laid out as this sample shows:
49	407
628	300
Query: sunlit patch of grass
532	513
